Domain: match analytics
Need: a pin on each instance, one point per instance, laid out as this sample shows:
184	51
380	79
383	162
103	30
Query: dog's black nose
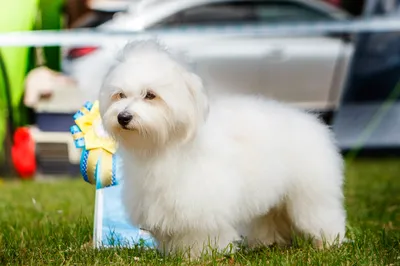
124	118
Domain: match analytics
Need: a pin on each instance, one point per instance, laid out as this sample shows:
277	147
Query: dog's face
149	101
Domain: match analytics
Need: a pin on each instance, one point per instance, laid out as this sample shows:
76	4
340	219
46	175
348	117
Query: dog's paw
323	245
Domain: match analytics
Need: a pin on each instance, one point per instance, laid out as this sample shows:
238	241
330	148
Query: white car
307	71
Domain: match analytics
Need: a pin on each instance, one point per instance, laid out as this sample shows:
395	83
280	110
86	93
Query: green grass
50	223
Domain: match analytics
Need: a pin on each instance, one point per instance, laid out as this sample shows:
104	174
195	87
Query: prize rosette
98	159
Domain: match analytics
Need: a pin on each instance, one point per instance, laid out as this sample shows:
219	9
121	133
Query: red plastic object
80	52
23	153
335	2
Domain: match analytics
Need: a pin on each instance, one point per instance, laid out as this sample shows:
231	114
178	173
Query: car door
299	70
226	64
295	70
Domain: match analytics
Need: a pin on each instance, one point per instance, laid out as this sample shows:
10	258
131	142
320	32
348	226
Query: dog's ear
198	94
200	101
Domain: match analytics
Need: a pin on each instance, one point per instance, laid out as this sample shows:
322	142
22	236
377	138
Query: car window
242	12
287	12
226	13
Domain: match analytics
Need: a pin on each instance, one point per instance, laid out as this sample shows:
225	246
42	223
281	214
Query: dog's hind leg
272	228
318	214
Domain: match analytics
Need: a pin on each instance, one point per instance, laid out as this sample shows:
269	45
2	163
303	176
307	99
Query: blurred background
350	80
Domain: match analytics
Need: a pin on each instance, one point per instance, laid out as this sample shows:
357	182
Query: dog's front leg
163	242
195	244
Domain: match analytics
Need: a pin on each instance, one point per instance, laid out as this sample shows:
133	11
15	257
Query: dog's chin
128	128
148	135
148	142
136	139
125	130
129	138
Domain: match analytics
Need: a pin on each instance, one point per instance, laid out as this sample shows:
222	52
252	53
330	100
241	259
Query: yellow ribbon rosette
98	159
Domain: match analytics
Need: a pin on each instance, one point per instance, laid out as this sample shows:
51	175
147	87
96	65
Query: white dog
197	176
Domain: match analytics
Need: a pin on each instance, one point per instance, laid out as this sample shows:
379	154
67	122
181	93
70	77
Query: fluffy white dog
199	176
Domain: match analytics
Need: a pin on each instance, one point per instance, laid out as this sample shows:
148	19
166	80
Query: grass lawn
49	223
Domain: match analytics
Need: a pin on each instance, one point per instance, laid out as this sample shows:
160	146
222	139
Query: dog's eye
118	96
149	95
121	95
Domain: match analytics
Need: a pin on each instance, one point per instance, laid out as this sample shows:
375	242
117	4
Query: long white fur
200	173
